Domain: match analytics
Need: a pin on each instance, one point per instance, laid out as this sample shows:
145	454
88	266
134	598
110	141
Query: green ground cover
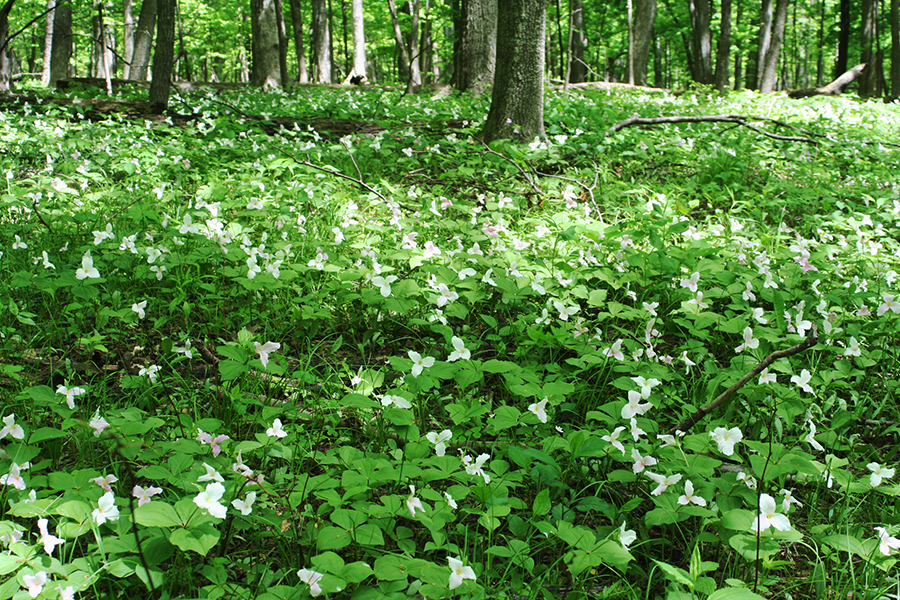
229	372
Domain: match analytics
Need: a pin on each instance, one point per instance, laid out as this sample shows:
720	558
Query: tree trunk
559	38
843	48
143	41
577	66
5	58
359	42
701	40
820	59
182	49
163	57
477	53
629	54
868	83
321	41
644	19
297	22
429	69
895	48
128	37
61	50
768	70
723	49
398	38
48	42
265	70
517	101
415	70
282	45
103	58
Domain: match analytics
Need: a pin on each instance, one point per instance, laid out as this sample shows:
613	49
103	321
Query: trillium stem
811	340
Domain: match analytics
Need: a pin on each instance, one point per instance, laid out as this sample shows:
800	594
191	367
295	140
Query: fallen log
835	87
737	119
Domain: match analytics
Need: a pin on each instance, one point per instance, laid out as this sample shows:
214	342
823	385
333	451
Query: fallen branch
834	88
738	119
358	182
811	339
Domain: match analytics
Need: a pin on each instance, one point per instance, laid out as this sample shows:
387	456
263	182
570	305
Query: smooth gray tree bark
164	57
868	83
701	40
322	52
61	50
577	66
265	69
5	58
644	19
477	51
143	41
517	101
127	37
768	62
48	42
723	49
359	41
299	46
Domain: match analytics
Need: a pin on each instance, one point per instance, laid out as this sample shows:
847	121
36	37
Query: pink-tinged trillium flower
211	475
749	341
208	439
430	250
458	573
641	462
439	440
726	439
209	499
878	473
263	351
276	430
646	385
105	482
47	539
106	509
768	517
87	270
615	351
245	505
419	363
889	304
35	583
10	428
613	438
413	503
803	381
539	409
688	497
144	495
886	542
691	282
445	295
384	284
311	578
478	467
70	394
14	477
663	482
459	350
635	406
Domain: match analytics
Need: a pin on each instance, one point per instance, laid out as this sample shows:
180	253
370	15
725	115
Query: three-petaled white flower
646	385
634	406
478	467
459	350
439	440
398	401
565	311
87	270
276	430
641	462
886	542
49	540
245	505
749	341
458	573
613	438
539	409
726	439
209	499
263	351
413	503
663	482
689	497
139	307
768	517
878	473
10	428
106	509
312	579
35	583
70	394
615	351
145	495
384	284
419	363
803	380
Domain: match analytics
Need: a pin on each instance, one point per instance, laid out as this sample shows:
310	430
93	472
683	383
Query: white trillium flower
768	517
458	573
459	350
726	439
539	409
439	440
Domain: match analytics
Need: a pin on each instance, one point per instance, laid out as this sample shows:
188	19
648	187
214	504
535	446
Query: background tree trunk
415	70
843	48
359	41
163	57
701	40
723	49
61	50
143	41
895	48
265	71
48	42
103	59
477	52
5	58
297	22
127	37
321	41
517	101
868	83
398	37
282	46
644	19
577	66
768	72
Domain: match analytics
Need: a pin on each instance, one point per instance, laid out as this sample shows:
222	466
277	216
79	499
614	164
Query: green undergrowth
457	370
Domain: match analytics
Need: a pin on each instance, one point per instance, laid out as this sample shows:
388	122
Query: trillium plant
248	359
